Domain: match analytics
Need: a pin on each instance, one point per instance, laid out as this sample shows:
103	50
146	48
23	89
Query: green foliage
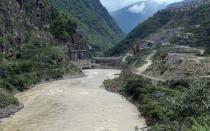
63	27
29	51
171	106
152	25
35	63
207	51
7	99
199	126
95	23
194	101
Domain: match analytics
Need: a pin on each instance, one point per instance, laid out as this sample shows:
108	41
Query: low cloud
137	8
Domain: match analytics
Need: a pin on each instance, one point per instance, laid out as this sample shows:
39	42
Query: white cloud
137	8
113	5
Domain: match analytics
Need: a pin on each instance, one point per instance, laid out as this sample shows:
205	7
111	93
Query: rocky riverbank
10	110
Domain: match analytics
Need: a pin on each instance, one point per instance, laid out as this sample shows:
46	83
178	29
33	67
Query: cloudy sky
113	5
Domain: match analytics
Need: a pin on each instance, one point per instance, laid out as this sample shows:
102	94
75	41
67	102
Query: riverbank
11	109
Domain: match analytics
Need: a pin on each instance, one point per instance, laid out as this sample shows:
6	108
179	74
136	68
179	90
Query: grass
7	99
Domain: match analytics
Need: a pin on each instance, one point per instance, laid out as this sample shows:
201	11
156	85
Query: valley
66	65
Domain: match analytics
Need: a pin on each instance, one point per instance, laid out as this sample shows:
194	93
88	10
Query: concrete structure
107	62
80	58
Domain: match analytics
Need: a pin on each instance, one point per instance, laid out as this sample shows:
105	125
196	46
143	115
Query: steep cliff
95	23
35	40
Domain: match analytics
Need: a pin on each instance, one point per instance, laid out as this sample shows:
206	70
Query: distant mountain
95	23
194	20
129	17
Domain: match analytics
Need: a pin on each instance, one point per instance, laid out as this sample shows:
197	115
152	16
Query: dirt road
74	105
143	68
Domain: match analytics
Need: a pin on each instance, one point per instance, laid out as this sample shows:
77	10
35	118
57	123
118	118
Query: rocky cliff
35	40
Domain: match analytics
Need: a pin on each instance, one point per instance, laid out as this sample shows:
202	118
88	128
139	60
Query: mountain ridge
186	19
96	25
128	20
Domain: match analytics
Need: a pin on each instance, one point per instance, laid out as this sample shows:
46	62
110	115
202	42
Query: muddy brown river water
74	105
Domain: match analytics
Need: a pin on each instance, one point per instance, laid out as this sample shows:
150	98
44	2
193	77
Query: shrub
7	99
63	27
194	101
207	51
199	126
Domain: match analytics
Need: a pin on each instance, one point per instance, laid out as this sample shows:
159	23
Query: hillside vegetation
171	106
34	43
95	23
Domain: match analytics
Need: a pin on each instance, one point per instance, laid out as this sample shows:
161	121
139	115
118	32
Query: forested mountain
95	23
183	19
34	43
129	17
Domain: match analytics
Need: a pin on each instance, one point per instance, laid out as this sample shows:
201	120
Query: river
80	104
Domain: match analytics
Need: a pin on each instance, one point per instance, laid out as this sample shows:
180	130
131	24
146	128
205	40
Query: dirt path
142	69
202	51
146	66
74	105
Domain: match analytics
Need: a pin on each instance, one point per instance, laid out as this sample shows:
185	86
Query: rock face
35	43
20	17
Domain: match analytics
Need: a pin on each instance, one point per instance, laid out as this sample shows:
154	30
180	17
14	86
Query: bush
199	126
207	51
63	27
194	101
7	99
